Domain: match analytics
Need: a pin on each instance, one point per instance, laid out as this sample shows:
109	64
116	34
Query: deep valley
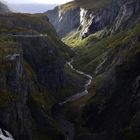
71	73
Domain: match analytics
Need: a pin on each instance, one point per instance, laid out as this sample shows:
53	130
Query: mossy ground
95	53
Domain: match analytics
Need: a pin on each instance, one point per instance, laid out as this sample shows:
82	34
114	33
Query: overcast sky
37	1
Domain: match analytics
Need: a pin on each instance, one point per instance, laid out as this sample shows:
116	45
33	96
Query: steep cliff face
32	73
49	70
14	92
127	16
24	103
64	22
103	17
107	42
45	54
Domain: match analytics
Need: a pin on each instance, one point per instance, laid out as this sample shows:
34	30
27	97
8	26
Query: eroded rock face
45	60
30	74
95	21
127	16
109	19
63	22
22	77
15	115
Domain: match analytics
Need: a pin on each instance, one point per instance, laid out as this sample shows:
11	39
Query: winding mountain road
30	36
67	127
26	36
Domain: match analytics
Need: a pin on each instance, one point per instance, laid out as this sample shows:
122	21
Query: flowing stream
5	135
67	127
84	91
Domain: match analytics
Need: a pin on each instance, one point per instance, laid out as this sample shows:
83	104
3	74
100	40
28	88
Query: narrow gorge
72	72
67	126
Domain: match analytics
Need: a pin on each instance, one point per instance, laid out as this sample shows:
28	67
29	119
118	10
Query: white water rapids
5	135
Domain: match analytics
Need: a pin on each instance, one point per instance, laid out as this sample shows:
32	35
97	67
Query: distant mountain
3	8
31	8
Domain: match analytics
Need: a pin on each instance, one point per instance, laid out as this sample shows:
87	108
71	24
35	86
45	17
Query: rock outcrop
14	112
107	19
107	41
32	72
64	23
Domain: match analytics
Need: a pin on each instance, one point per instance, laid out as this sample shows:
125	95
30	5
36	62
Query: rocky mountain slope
34	79
106	37
33	76
111	109
82	18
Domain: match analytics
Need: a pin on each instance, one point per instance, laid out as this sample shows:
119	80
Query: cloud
38	1
52	1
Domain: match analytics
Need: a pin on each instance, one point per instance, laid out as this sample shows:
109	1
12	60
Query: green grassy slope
32	24
87	4
113	62
96	53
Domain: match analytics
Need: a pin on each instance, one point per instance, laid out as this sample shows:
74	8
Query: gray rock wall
110	19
